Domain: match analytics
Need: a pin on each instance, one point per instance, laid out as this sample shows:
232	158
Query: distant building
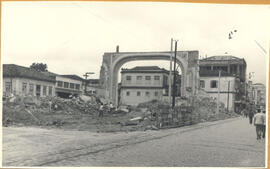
24	81
232	69
93	87
67	85
142	84
259	95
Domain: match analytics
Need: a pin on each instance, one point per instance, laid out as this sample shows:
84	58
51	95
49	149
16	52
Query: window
128	77
156	93
78	86
202	84
147	94
44	90
147	77
72	85
139	77
213	84
50	90
59	83
128	93
65	84
156	77
138	93
31	88
8	86
24	87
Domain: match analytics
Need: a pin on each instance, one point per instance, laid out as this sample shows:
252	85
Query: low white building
24	81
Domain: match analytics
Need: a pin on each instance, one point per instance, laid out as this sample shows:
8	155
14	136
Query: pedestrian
259	122
250	116
50	105
244	112
111	107
101	109
264	125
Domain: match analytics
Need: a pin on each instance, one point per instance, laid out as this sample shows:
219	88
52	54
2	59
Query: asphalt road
229	143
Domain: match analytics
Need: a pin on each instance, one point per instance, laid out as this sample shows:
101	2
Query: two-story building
232	69
142	84
23	81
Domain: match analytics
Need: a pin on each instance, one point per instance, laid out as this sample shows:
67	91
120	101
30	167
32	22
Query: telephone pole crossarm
85	83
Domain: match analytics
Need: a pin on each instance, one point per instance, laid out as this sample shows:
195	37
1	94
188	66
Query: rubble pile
205	109
46	111
82	113
186	112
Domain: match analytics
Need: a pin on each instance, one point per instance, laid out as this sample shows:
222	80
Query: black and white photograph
134	84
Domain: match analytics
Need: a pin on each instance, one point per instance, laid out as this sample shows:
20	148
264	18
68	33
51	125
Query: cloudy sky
71	37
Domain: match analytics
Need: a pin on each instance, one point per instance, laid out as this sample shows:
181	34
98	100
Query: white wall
17	84
143	82
213	92
223	84
133	99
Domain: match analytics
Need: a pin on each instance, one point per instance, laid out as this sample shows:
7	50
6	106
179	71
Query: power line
260	46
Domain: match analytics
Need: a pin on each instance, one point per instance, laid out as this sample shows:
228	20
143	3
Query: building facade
23	81
143	84
67	85
229	66
259	95
92	87
227	86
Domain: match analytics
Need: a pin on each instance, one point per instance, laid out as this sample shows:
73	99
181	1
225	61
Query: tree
41	67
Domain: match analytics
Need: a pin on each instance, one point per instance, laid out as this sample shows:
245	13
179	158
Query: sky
71	37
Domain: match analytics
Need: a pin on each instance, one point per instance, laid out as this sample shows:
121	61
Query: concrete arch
114	61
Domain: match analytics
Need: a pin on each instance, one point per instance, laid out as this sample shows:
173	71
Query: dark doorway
38	90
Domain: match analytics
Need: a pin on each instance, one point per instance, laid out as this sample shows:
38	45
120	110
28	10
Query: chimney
117	49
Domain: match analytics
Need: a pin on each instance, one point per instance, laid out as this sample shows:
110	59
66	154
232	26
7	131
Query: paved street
222	143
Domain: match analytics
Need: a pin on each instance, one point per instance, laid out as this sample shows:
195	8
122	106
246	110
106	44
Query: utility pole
174	76
218	91
86	75
228	97
170	76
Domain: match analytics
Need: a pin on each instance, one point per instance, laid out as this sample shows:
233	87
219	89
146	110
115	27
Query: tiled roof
75	77
222	57
12	70
146	68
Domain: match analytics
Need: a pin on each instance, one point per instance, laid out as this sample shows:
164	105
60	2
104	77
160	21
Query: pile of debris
31	110
82	113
